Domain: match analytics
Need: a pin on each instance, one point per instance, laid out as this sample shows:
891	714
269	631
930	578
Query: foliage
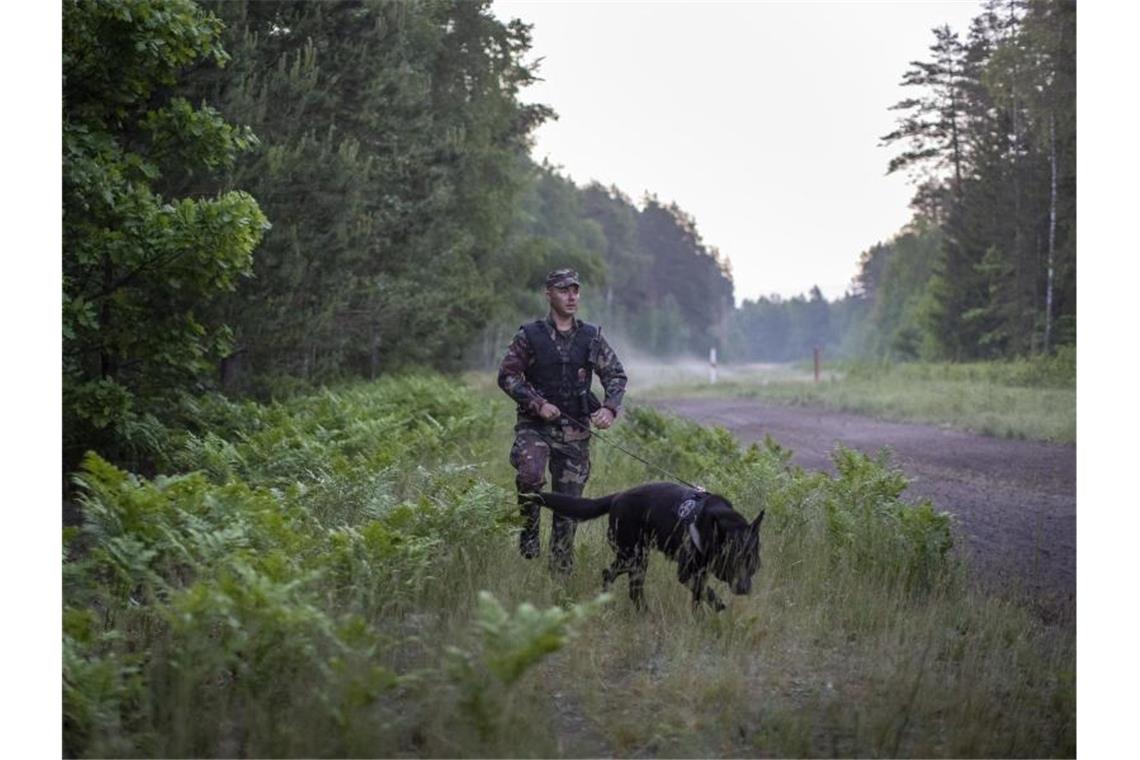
381	127
392	159
870	530
877	531
895	278
1032	397
1058	370
297	528
223	588
986	269
687	272
648	275
139	267
775	329
301	576
511	644
993	133
933	124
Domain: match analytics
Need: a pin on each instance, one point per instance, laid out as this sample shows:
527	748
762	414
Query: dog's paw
714	601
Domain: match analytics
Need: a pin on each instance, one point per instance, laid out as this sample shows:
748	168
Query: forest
269	195
291	229
986	269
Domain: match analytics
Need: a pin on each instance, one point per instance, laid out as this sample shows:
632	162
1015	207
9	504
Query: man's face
563	300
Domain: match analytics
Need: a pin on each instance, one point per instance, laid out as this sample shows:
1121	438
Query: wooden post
816	352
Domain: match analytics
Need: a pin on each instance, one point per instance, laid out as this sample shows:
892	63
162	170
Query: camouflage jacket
512	369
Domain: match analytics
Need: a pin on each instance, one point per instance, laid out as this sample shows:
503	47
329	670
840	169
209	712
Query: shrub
258	602
511	644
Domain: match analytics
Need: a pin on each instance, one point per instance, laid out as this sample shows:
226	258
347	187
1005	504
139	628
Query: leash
624	450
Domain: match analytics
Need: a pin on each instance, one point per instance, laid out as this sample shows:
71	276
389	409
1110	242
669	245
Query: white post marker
712	366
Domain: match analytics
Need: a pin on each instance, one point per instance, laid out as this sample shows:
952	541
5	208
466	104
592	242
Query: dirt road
1014	501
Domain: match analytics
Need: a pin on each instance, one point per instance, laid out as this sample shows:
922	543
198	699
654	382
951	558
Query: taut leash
624	450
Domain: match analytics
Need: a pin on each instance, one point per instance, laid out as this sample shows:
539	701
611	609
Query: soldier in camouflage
547	370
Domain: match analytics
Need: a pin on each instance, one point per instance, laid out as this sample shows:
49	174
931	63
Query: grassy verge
337	575
1024	399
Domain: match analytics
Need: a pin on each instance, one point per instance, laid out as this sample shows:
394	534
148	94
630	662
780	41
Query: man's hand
602	418
549	412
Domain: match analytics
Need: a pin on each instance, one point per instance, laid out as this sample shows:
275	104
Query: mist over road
1014	502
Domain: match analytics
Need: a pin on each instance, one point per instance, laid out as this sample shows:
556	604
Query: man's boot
528	537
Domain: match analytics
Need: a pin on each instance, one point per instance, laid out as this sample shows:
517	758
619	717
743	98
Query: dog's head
739	555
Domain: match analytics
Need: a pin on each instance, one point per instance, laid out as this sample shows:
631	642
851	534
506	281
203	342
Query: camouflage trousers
566	450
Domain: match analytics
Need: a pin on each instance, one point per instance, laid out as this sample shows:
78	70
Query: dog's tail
574	507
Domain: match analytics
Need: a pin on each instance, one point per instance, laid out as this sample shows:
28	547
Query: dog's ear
756	523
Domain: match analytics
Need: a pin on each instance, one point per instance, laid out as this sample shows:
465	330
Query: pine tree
932	124
686	271
1008	249
1048	52
392	137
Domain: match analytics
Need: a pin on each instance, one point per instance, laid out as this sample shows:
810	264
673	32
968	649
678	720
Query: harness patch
687	512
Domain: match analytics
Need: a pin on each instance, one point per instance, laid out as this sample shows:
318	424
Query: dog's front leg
713	600
702	593
695	580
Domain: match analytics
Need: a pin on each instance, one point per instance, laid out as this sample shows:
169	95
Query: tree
1007	265
775	329
1044	61
626	262
139	268
932	124
685	270
895	280
392	164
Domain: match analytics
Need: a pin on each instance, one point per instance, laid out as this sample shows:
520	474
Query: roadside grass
337	575
1027	399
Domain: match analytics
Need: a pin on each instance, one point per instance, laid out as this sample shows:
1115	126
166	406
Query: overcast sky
760	119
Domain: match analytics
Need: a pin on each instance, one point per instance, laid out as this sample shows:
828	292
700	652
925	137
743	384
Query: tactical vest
554	375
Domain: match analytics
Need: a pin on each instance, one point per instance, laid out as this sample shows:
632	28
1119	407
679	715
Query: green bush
510	645
868	526
873	530
225	587
1057	370
307	581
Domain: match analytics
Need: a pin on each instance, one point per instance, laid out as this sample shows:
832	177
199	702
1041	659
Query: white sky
762	119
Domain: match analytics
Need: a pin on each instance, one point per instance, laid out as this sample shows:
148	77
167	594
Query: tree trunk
1052	232
374	352
108	364
229	370
955	137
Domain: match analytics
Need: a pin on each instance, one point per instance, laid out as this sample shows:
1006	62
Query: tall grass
1025	398
337	575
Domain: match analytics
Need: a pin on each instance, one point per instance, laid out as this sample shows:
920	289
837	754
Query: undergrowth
1033	398
337	575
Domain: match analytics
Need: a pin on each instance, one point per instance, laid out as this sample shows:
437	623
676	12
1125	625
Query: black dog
699	530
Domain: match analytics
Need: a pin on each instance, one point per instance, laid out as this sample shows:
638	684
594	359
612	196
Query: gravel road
1014	502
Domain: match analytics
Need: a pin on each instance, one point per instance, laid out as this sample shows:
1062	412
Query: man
547	370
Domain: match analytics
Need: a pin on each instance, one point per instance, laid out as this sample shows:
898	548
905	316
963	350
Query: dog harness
687	513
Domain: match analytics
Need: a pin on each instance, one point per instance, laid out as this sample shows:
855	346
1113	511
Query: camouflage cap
561	278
